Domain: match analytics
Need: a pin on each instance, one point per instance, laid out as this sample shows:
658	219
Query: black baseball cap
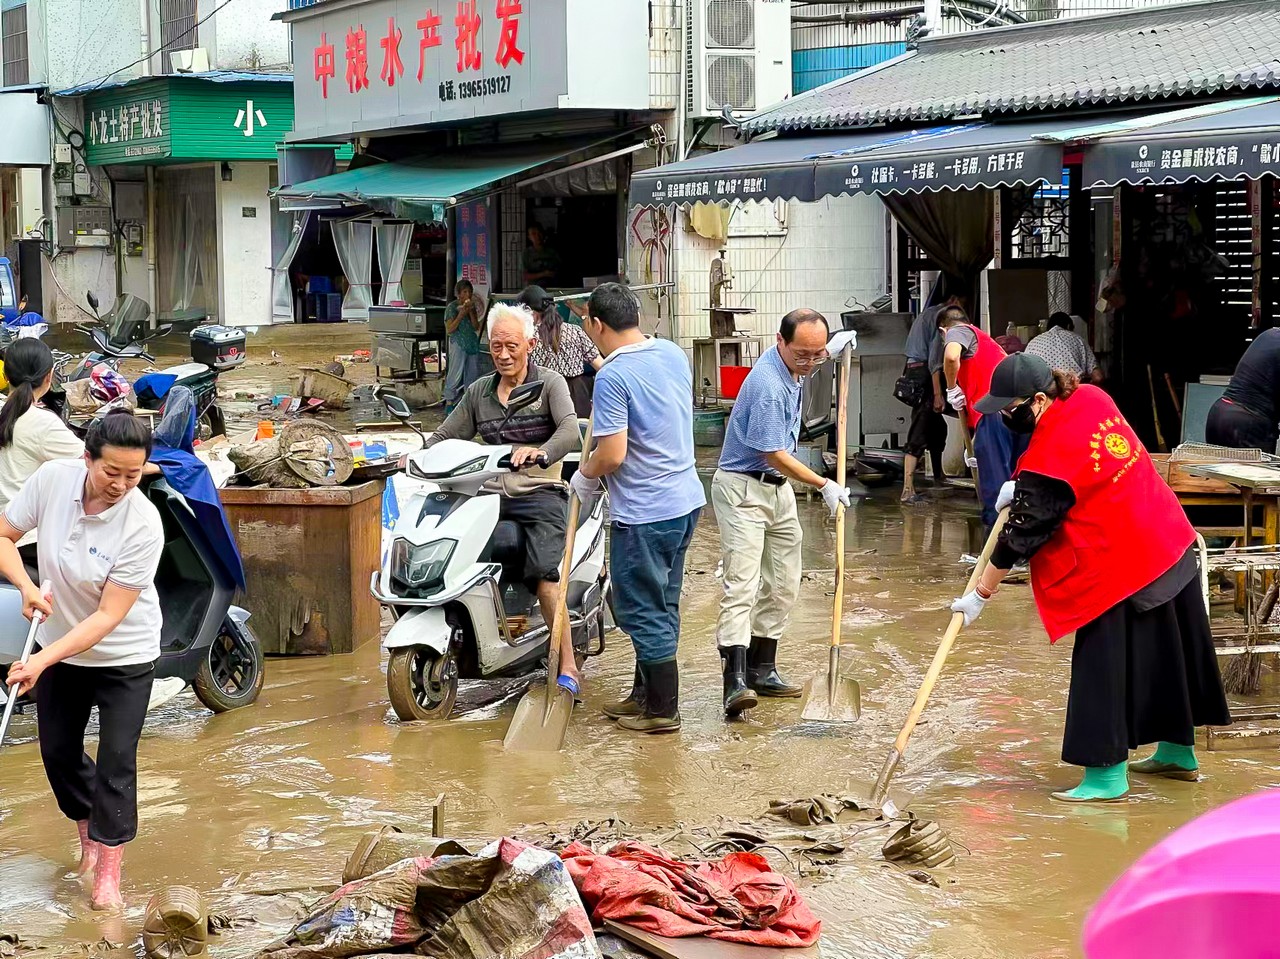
1018	377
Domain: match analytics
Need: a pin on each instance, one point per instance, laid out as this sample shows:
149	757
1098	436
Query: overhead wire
191	29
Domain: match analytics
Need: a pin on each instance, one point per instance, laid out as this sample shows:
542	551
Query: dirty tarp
509	901
739	898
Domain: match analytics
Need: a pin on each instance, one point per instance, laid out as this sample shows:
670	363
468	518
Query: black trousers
105	792
1142	676
1230	424
543	514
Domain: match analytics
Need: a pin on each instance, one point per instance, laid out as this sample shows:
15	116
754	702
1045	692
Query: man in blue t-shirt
755	508
643	426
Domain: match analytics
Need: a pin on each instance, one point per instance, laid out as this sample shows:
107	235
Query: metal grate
177	29
731	82
1208	453
1232	239
13	26
731	23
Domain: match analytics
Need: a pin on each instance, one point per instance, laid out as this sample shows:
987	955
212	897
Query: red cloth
738	898
1126	528
974	378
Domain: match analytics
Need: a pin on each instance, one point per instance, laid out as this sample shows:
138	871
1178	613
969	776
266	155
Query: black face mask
1022	418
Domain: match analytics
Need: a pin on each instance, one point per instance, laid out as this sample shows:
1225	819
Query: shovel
881	789
11	692
836	698
542	715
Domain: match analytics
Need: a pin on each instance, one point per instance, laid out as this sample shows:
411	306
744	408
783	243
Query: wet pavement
259	808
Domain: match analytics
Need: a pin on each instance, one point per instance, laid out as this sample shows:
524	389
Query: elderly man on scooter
533	497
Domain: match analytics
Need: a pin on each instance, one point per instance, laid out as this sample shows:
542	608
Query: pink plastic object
1211	889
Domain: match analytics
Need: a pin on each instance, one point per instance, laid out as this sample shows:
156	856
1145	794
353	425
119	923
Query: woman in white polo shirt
100	543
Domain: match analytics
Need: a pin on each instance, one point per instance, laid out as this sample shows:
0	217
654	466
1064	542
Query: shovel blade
540	724
826	702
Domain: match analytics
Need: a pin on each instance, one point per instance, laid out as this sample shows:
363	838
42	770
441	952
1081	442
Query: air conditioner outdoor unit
190	61
739	55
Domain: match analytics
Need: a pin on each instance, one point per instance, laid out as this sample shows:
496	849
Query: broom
1243	675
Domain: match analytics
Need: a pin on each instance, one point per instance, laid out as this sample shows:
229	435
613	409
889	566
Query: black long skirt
1140	677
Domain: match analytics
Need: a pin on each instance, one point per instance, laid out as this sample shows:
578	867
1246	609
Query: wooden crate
308	555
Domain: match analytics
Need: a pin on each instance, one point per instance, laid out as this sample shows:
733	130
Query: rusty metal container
308	555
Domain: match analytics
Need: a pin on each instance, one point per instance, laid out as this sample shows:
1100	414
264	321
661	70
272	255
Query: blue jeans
462	370
996	448
647	565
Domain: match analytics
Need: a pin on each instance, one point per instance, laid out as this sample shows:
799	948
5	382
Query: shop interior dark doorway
583	233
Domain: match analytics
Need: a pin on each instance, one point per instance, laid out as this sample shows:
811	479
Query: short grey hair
512	311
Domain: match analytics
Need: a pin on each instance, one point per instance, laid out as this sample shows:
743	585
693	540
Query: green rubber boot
1100	784
1170	761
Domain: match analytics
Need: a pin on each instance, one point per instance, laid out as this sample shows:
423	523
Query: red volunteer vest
1126	528
974	377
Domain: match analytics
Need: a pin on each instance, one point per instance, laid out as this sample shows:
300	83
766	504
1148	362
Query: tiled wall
666	19
831	250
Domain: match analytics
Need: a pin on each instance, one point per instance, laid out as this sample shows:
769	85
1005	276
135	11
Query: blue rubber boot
1100	784
1170	761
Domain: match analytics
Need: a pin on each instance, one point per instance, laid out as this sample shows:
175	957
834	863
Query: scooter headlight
420	569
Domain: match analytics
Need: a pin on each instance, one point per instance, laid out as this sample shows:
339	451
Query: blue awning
421	187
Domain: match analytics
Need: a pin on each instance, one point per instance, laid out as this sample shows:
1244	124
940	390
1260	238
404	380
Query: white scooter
451	574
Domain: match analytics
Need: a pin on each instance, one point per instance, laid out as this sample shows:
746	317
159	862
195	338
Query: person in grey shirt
928	430
533	497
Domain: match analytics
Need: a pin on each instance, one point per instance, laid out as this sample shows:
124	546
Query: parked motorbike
452	574
205	642
121	334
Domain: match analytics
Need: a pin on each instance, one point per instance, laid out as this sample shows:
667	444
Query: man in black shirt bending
1246	414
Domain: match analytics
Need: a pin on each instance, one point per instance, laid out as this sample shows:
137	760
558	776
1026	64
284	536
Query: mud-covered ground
259	808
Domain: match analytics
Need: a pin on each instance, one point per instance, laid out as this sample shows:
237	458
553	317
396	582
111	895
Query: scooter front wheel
231	675
422	683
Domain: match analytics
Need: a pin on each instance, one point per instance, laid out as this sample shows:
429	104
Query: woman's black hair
26	363
543	305
121	429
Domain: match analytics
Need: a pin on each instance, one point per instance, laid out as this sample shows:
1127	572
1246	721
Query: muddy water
259	808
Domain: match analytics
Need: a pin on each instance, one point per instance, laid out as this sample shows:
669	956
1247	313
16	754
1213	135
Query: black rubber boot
661	700
762	670
633	705
738	696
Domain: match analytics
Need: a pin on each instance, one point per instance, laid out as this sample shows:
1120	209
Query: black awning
1229	140
953	157
769	169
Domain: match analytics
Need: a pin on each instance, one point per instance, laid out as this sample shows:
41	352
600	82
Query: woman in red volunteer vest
1112	559
968	358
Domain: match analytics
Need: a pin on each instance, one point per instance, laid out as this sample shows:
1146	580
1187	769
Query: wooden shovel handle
948	638
842	438
566	566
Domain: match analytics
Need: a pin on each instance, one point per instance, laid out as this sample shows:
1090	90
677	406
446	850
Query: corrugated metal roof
211	76
1189	49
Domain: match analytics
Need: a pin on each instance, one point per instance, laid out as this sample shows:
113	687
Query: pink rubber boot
106	878
88	850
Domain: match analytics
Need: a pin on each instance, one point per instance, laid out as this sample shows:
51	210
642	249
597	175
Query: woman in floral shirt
562	347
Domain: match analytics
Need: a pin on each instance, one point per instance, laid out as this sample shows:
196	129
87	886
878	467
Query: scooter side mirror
396	406
524	395
92	300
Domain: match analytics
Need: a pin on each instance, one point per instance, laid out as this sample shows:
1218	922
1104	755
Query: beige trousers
760	542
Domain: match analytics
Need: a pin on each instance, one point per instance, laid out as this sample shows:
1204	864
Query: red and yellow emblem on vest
1117	445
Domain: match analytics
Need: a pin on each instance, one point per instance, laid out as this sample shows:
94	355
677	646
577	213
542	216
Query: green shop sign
185	119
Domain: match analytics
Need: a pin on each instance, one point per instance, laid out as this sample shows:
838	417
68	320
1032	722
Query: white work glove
970	604
837	343
971	462
1005	496
955	396
834	495
586	489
